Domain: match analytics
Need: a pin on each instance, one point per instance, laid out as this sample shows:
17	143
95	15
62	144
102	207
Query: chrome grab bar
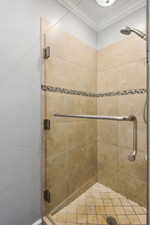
130	118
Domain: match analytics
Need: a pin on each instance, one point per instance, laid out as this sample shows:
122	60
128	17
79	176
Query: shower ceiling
98	17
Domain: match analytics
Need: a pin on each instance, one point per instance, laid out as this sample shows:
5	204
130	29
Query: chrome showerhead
128	30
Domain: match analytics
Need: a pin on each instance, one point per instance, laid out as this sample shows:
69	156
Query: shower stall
94	145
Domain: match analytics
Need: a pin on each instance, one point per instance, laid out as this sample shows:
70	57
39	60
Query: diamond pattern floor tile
96	204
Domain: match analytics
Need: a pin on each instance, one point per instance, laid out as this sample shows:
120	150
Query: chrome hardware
120	118
47	196
46	124
132	155
131	118
46	52
111	220
128	30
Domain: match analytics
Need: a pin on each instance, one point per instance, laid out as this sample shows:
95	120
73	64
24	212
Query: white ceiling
98	17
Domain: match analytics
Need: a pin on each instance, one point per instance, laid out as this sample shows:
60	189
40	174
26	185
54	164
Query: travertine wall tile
78	150
71	144
121	53
122	66
108	164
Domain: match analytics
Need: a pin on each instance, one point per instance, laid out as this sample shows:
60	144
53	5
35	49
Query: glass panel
127	71
88	177
70	144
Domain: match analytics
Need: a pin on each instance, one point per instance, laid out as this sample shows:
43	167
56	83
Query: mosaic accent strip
90	94
124	92
67	91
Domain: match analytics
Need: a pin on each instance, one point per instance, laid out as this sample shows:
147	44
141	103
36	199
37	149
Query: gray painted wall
20	103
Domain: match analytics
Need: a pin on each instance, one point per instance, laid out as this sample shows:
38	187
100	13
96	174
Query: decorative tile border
124	92
67	91
90	94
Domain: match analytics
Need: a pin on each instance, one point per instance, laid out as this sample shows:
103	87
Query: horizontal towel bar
117	118
130	118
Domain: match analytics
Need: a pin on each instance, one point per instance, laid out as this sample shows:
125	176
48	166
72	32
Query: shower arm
139	33
130	118
128	30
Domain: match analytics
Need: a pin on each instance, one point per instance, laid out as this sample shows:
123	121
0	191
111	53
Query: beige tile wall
122	66
73	148
71	144
72	64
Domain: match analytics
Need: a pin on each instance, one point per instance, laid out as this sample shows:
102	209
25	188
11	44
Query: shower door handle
132	155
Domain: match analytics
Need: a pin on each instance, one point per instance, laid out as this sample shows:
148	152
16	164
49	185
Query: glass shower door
70	145
132	177
124	81
86	164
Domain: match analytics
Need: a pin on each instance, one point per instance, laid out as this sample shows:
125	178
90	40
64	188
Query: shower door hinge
47	196
46	52
46	124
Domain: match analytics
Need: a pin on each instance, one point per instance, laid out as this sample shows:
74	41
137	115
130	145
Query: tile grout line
89	202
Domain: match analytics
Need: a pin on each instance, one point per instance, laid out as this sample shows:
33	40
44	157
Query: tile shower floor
96	204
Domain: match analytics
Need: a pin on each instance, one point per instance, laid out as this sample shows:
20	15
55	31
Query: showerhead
129	30
126	31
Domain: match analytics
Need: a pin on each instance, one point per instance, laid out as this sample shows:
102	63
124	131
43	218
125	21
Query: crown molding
124	12
79	13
